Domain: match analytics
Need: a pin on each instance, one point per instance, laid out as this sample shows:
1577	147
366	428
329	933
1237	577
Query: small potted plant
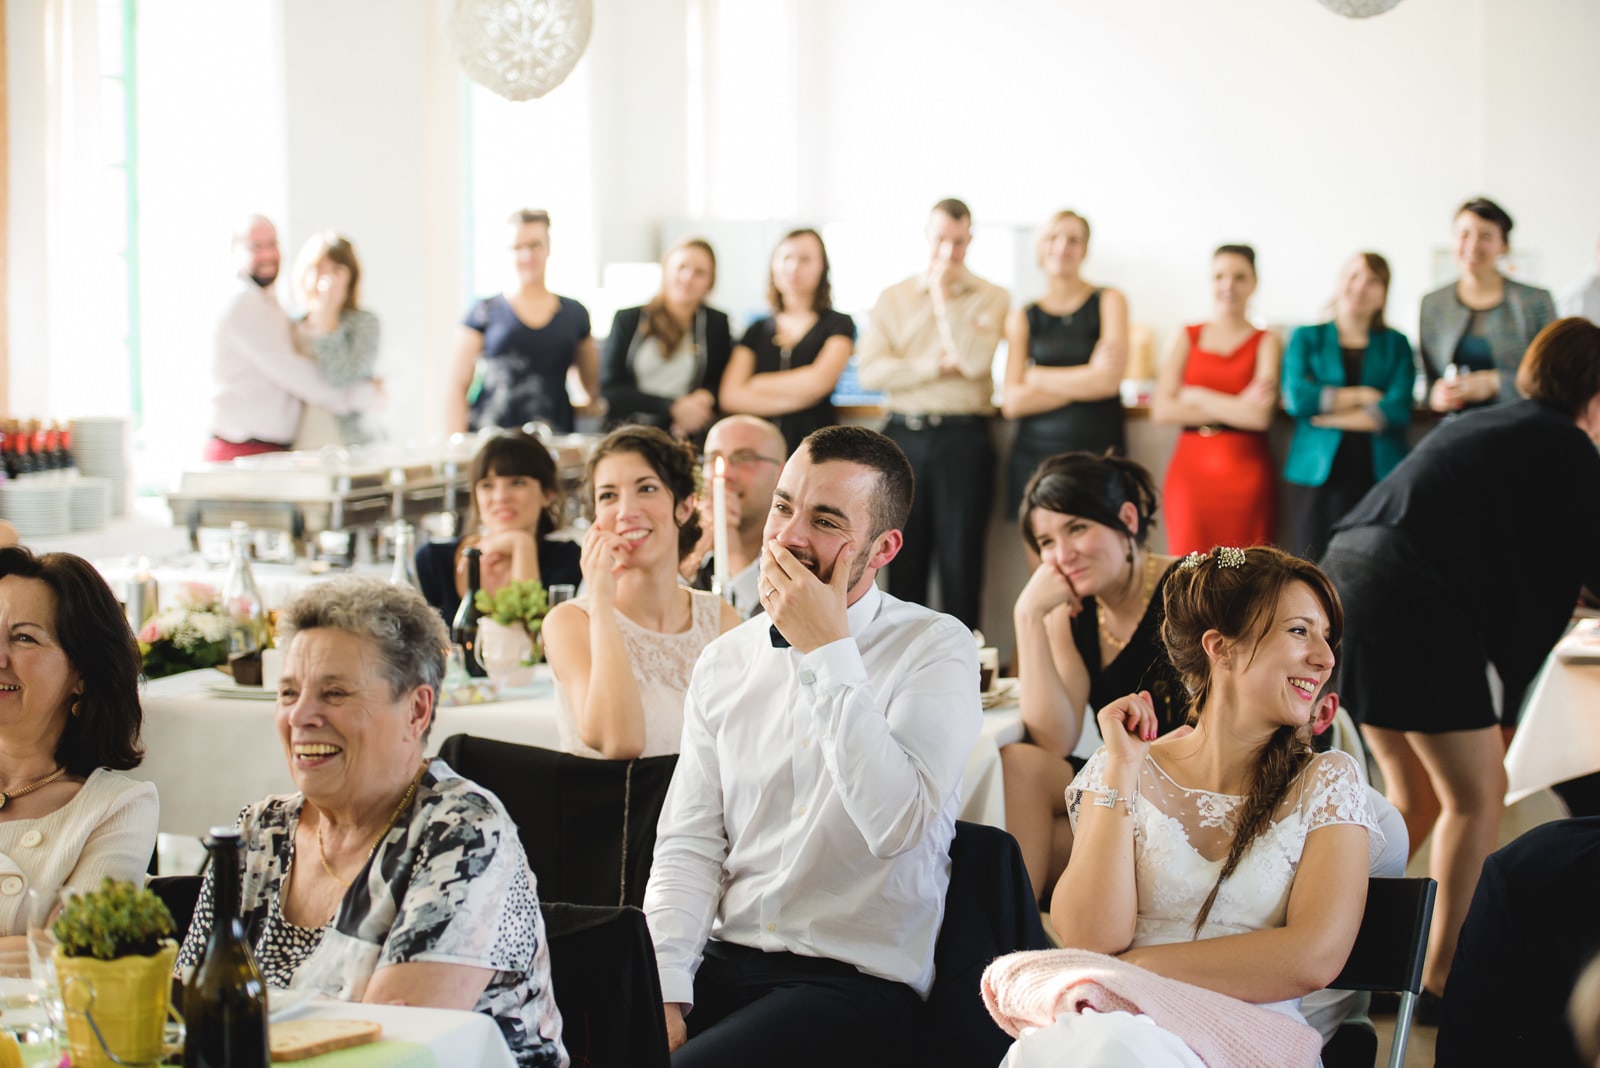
113	958
508	631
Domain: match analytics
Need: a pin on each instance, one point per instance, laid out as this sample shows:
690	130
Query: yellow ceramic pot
128	998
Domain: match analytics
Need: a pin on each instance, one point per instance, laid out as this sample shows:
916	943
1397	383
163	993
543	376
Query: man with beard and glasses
752	450
802	856
260	382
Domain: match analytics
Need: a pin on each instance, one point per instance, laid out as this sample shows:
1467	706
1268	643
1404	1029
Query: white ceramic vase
508	652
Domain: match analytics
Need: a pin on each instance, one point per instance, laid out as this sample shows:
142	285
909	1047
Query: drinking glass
30	1008
561	591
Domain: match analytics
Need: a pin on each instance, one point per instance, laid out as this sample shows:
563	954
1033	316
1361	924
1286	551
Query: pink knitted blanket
1031	989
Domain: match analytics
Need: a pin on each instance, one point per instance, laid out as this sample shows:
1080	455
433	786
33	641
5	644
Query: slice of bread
295	1040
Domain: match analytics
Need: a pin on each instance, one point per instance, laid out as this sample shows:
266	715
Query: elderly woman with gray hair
387	877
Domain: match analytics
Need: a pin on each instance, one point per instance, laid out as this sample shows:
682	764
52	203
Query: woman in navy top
519	346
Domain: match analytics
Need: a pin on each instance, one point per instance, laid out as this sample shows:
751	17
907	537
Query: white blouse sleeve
1335	794
121	843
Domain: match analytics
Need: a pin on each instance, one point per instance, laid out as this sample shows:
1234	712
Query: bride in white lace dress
622	653
1230	857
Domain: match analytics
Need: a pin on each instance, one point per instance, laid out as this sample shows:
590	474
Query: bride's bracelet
1109	799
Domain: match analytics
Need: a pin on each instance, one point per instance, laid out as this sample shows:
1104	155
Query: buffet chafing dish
327	501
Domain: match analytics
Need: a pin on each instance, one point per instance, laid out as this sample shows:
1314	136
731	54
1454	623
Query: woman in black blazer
663	362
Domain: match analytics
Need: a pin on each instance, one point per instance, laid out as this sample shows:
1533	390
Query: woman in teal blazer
1348	385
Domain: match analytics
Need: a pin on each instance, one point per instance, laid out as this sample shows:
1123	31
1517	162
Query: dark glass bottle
225	1003
464	628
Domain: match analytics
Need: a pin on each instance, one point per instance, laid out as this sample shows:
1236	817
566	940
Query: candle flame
719	467
144	568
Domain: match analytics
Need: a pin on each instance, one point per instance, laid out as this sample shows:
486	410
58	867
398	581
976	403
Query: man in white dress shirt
802	856
260	382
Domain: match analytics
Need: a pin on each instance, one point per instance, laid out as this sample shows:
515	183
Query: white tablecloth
210	756
454	1037
1558	737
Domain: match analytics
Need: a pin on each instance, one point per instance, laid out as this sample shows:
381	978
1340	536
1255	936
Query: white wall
374	135
1173	125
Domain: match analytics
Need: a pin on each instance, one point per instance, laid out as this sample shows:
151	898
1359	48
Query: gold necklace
7	797
1111	646
322	855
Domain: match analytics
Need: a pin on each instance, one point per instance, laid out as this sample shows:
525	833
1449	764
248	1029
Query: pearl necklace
1111	646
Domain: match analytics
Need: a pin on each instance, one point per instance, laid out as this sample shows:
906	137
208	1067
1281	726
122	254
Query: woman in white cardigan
69	724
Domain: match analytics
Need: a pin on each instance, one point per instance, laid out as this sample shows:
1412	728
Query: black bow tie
778	640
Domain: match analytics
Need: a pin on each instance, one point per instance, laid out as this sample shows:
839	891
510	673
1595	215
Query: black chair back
1390	947
990	910
588	826
603	969
180	893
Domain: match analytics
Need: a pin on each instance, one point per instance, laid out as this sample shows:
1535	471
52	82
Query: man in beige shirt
930	347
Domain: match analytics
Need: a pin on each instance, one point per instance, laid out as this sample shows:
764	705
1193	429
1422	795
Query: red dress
1221	487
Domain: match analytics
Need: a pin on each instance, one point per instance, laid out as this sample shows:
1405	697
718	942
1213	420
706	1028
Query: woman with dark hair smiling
786	366
1088	626
622	652
514	510
1469	555
69	722
1474	330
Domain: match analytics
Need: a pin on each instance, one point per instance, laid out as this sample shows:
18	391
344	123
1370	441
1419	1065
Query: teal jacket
1312	363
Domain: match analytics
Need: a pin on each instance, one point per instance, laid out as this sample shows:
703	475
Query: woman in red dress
1220	383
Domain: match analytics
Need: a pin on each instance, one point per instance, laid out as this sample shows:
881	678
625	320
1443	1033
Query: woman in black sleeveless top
1066	354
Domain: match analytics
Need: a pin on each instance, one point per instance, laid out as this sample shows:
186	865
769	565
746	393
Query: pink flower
150	633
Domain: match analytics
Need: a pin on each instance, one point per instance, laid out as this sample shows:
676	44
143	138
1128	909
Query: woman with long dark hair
623	651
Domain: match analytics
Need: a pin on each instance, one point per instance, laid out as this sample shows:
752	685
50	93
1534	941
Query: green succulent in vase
517	604
118	920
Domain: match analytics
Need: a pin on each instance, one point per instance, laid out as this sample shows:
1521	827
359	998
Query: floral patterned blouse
451	885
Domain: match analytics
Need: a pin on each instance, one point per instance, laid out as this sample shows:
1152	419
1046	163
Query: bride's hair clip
1226	556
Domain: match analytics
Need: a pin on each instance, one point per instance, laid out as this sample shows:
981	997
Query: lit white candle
719	529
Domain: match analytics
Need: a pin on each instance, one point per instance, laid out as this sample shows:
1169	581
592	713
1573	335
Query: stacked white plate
90	502
37	509
100	447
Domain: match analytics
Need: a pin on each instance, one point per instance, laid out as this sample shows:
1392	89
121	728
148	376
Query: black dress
436	570
1141	665
761	339
1094	426
1469	553
525	369
1313	510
